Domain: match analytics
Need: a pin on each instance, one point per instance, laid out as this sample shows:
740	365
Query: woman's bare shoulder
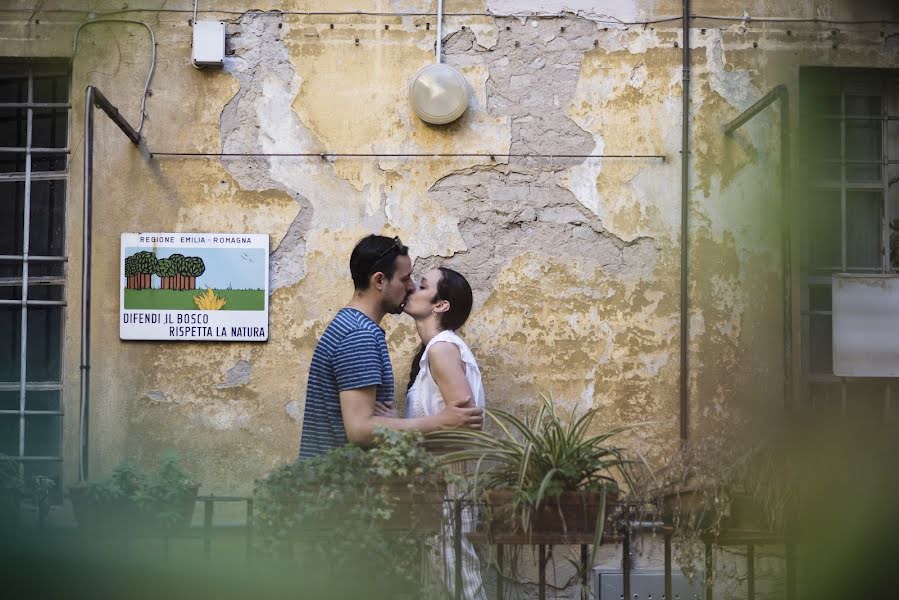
444	352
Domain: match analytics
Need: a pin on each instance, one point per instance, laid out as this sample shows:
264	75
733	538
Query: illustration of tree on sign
177	261
177	278
177	272
185	269
139	270
195	268
165	270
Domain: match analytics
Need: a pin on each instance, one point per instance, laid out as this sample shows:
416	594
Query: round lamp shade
439	94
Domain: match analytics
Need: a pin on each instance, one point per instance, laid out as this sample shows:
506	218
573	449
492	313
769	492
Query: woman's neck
427	329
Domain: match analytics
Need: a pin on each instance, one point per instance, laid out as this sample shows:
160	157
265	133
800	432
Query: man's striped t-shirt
351	354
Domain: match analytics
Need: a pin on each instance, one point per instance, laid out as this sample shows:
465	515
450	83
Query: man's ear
442	306
378	280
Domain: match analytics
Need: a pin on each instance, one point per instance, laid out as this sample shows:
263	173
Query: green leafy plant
354	515
11	489
717	484
538	458
11	478
41	487
165	494
165	498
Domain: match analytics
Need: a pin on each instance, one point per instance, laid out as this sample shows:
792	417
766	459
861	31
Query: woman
445	370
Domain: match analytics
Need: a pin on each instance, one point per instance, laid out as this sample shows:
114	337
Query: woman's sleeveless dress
424	399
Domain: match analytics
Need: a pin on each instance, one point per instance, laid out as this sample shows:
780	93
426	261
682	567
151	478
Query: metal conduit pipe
92	98
439	31
684	222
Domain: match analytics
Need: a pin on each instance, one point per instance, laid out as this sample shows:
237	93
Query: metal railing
205	529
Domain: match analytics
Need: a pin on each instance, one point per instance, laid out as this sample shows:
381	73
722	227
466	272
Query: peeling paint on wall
574	262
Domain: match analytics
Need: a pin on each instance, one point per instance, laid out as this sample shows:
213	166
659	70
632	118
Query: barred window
34	119
850	161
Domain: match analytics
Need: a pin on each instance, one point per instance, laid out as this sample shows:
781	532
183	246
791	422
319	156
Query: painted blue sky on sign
237	268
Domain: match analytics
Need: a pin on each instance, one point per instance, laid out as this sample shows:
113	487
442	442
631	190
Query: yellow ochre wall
575	262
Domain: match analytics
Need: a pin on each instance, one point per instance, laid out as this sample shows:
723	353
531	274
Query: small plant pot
570	512
418	507
746	514
691	504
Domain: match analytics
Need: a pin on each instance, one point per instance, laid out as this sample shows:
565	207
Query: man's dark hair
375	253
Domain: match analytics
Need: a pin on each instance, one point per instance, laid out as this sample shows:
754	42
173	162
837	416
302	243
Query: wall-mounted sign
194	286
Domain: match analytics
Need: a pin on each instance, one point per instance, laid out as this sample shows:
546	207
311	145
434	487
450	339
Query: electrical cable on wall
525	15
193	23
143	100
329	155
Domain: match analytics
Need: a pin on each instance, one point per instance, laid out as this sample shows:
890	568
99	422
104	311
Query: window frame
32	69
848	80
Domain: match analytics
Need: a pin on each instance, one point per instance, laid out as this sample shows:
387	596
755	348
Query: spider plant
537	458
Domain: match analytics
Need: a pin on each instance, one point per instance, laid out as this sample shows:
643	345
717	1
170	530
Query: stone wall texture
575	262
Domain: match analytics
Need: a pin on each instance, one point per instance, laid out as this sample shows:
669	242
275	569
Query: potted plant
395	486
358	517
11	489
716	485
132	501
540	474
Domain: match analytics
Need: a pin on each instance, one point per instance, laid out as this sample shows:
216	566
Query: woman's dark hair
453	288
375	253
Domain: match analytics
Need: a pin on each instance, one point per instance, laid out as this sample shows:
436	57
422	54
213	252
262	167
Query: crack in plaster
507	210
260	119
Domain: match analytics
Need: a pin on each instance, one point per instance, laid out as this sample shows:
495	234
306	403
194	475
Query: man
351	370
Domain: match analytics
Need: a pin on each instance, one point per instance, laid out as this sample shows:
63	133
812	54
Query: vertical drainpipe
786	216
92	97
86	279
685	201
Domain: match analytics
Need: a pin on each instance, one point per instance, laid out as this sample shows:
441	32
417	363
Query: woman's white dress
424	399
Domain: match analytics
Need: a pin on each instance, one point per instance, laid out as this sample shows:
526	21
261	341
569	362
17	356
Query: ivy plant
351	517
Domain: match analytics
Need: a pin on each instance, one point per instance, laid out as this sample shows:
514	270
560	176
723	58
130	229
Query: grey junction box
208	47
646	585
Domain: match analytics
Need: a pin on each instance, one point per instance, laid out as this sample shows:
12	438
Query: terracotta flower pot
570	512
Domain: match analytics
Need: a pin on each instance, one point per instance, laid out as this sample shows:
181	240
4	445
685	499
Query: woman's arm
448	370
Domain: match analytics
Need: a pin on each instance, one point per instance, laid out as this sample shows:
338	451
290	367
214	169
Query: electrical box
865	325
647	585
209	44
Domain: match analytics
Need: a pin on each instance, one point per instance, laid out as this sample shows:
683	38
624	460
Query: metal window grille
34	125
850	166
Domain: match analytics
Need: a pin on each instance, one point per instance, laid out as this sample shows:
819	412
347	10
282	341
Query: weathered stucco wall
575	263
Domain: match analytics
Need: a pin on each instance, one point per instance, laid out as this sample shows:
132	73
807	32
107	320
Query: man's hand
461	413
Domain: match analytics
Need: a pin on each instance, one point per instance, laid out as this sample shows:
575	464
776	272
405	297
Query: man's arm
358	405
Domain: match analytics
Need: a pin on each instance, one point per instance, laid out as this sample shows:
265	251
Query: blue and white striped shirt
351	354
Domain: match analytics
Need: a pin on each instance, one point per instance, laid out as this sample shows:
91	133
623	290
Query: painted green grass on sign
184	300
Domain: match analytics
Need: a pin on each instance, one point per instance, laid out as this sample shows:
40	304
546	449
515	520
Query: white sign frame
159	308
